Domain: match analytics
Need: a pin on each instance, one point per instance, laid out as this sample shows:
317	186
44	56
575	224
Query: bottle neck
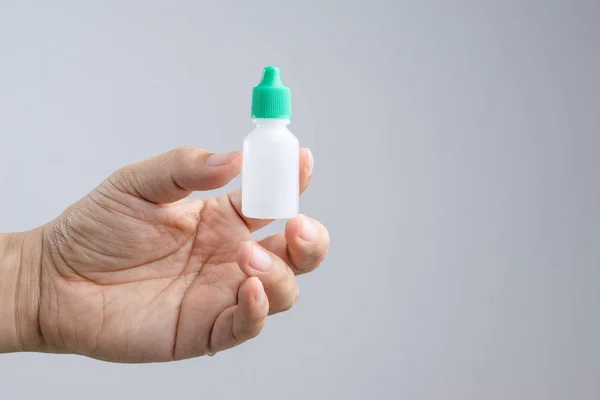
271	121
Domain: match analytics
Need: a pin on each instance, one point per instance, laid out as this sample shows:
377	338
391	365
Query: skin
135	272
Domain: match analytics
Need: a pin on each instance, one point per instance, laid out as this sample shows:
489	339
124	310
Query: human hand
134	272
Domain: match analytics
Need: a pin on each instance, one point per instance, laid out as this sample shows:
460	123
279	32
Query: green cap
271	98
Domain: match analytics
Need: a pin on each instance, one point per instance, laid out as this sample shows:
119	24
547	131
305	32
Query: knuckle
187	150
116	179
289	301
311	260
123	180
187	155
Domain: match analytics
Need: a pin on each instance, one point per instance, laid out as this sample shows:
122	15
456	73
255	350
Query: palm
136	281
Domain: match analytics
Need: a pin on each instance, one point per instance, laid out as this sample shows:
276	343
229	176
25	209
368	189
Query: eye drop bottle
270	171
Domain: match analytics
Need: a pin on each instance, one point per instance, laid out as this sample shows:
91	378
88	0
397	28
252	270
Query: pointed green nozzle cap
271	98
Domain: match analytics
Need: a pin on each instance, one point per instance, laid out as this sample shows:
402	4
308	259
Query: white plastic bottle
270	171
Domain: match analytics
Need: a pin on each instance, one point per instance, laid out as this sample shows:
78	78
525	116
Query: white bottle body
271	169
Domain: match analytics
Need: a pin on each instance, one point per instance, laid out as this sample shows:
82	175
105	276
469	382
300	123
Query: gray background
457	167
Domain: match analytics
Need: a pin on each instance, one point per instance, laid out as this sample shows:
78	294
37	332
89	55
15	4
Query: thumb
174	175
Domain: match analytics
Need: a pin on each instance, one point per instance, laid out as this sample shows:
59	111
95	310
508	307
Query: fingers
243	321
303	246
271	286
174	175
278	280
306	167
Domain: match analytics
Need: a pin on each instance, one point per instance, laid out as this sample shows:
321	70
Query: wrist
20	274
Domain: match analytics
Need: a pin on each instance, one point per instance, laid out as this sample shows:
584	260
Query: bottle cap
271	98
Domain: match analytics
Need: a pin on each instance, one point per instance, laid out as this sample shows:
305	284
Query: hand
133	273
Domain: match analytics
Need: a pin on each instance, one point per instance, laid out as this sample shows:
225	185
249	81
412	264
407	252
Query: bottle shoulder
277	134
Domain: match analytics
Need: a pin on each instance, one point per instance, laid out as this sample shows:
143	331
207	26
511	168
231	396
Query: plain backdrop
457	167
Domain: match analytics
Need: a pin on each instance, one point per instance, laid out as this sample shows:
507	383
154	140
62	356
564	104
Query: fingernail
219	159
309	230
311	162
260	260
